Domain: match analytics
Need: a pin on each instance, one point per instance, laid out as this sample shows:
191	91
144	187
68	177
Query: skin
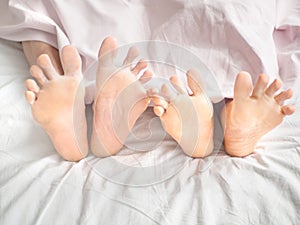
253	112
33	49
57	103
243	123
121	99
188	118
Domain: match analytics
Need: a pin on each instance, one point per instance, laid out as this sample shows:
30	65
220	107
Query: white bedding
227	36
38	187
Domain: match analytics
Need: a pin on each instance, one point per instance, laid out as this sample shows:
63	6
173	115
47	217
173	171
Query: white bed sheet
38	187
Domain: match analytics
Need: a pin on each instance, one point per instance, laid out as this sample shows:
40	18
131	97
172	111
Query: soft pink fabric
228	36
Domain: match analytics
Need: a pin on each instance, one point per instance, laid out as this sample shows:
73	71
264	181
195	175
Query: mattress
161	186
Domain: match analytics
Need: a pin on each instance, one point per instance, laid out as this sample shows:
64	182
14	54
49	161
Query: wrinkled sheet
38	187
227	36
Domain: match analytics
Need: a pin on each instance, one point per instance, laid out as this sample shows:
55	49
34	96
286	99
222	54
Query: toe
158	111
243	85
71	61
160	102
160	105
30	97
142	64
167	93
284	95
194	82
260	86
147	75
287	109
275	86
45	63
31	85
131	55
178	85
152	92
107	51
38	74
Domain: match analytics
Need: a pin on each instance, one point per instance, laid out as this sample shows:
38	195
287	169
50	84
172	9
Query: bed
38	187
162	185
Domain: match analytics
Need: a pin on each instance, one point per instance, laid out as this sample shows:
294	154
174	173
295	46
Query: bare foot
187	118
250	116
121	99
57	103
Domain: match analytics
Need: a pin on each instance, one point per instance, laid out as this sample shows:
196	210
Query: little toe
71	61
30	97
178	85
275	86
31	85
131	55
284	95
260	86
194	81
243	85
287	109
38	74
167	93
142	64
107	51
147	75
45	63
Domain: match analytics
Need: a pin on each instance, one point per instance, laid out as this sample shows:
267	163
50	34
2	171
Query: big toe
71	61
260	86
107	51
243	85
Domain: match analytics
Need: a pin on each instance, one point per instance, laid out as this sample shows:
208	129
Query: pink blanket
227	36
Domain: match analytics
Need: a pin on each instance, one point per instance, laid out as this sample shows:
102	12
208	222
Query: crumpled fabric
227	36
